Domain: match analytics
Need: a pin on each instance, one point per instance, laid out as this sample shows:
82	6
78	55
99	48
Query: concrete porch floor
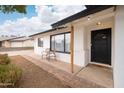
57	63
97	74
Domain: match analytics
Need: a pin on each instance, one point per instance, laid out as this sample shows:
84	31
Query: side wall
46	44
119	48
28	43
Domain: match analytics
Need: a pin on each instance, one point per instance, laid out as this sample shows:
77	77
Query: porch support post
72	49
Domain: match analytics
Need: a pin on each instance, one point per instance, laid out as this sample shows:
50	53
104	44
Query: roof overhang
50	30
91	9
8	39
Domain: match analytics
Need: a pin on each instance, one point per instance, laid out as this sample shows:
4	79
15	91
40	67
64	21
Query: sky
38	18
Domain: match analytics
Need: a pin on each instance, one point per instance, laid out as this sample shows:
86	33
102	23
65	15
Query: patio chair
48	54
45	52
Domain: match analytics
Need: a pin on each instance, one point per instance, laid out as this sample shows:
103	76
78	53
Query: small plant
4	59
9	73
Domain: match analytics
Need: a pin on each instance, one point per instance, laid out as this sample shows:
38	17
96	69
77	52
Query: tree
13	8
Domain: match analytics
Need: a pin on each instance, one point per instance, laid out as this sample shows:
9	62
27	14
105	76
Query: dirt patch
35	77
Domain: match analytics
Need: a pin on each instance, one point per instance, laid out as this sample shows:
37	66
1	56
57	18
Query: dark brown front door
101	46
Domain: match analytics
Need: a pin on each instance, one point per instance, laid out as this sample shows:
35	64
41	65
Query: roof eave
91	10
54	29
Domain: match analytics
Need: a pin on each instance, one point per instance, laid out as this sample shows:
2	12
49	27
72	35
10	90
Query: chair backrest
47	50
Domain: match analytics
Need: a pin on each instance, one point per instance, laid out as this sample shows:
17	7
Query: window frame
39	39
64	42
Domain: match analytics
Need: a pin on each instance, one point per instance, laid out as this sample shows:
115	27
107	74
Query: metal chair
48	54
45	52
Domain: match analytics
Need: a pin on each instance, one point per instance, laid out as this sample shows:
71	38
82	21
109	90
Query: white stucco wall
28	43
63	57
119	48
37	50
79	45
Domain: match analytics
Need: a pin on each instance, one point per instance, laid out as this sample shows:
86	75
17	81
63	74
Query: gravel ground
35	77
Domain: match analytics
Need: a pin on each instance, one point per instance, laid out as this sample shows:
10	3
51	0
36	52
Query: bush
4	59
9	74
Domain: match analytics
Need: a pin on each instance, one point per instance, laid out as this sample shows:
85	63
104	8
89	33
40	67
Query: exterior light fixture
98	23
88	18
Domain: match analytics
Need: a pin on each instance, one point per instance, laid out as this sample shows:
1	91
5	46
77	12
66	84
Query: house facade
22	42
94	35
5	41
12	42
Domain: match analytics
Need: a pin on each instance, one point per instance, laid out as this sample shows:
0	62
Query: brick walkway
68	78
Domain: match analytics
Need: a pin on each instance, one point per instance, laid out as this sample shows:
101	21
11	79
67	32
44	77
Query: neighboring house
94	35
16	42
22	42
5	41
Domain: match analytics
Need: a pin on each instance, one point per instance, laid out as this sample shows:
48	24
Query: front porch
100	75
89	76
96	73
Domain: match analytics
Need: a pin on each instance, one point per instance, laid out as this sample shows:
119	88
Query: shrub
4	59
9	74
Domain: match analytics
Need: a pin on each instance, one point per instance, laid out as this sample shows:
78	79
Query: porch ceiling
103	15
91	9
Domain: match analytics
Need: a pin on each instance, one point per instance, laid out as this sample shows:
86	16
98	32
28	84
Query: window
52	41
60	42
40	42
67	42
